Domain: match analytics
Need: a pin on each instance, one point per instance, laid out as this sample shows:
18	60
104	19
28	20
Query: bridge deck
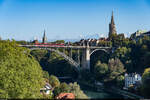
74	47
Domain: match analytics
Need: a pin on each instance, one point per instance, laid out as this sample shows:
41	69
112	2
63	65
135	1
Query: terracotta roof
65	96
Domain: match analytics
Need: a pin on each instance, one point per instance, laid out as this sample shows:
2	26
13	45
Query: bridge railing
53	46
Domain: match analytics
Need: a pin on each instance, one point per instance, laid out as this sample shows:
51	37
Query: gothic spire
44	33
112	18
44	37
112	28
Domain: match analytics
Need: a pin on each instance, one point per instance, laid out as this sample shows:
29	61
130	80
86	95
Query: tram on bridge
49	44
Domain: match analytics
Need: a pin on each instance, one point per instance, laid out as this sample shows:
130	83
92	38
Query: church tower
112	28
44	38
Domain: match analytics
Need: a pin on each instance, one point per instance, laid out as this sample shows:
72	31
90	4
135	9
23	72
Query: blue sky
70	19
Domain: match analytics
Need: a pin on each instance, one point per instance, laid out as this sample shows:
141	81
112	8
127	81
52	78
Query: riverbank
98	92
94	91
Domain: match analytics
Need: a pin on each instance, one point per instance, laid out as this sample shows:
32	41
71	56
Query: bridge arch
98	54
98	50
67	58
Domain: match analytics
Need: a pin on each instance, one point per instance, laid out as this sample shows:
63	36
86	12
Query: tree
54	64
63	88
120	81
54	81
70	88
96	56
105	43
23	42
143	62
20	74
123	53
40	55
86	75
75	89
116	68
146	83
59	41
100	70
46	75
110	72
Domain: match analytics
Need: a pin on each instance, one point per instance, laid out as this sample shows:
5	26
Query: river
93	94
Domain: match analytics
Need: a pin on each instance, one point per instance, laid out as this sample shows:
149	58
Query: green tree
146	83
75	89
116	68
123	53
54	81
70	88
20	74
96	56
120	81
23	42
100	70
54	64
59	41
86	75
62	88
40	55
46	75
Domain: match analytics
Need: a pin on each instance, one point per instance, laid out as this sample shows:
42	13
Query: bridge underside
84	51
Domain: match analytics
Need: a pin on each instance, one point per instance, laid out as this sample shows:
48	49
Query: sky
71	19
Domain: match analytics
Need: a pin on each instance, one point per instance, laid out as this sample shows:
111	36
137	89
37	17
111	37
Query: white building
46	89
131	79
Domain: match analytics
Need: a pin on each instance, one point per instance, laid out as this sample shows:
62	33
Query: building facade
131	79
139	34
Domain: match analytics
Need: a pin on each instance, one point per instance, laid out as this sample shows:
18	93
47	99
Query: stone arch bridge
87	51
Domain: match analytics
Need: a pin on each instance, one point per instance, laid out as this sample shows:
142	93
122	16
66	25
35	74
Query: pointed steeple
112	28
112	19
44	37
44	33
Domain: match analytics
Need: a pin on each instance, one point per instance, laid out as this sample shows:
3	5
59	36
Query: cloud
102	35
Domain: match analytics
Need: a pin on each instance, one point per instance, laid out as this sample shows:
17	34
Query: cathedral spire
112	18
112	28
44	33
44	37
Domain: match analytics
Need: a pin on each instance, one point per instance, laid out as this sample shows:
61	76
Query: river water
97	95
93	94
101	95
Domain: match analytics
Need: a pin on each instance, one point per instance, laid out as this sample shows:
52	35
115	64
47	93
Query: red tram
49	44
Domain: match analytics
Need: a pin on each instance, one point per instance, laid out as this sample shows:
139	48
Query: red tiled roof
65	96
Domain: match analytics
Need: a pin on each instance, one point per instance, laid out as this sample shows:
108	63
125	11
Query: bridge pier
64	50
49	54
86	58
78	56
70	53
